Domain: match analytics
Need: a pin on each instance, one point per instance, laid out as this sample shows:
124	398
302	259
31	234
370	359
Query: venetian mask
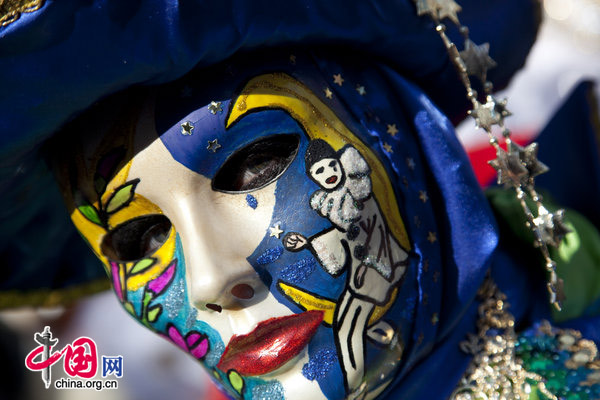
257	231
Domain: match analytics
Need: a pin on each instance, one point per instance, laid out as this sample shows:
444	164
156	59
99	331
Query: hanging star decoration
550	227
214	107
528	157
439	9
187	128
337	79
213	145
486	115
510	169
477	59
516	167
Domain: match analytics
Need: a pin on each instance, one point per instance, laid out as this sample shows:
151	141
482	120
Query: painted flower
194	342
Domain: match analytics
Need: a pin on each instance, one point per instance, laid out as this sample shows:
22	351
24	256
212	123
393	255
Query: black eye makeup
137	238
257	164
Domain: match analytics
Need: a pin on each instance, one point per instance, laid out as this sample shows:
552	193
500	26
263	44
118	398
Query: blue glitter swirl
299	271
252	202
270	255
319	365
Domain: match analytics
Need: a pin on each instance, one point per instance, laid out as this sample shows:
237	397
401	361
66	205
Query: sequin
252	202
270	255
319	365
299	271
269	391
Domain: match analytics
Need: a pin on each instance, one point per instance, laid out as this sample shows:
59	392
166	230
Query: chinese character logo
112	366
80	358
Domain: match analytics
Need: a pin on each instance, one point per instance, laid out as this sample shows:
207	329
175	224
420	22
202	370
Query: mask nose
217	288
218	275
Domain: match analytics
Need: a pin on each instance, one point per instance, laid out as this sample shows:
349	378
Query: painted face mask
263	227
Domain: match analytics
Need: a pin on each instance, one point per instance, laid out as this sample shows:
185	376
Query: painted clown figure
359	242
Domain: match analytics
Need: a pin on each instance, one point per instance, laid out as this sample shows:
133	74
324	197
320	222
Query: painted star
387	147
509	167
214	107
423	196
485	115
411	163
550	227
436	276
337	78
187	128
477	59
361	90
328	93
431	237
213	145
391	129
528	157
275	231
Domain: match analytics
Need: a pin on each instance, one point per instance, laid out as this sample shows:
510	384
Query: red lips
331	179
271	344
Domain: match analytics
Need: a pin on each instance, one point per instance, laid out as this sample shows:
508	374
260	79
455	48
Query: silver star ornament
477	59
549	227
528	157
509	167
485	114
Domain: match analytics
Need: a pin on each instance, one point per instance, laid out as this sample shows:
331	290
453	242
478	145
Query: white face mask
222	242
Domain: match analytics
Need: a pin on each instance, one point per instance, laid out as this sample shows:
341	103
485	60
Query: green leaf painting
236	380
90	212
121	196
153	313
141	265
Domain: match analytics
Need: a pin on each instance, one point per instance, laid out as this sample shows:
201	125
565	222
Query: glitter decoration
269	391
320	364
251	201
270	255
175	300
299	271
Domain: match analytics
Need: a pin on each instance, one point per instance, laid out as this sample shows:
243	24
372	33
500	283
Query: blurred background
567	51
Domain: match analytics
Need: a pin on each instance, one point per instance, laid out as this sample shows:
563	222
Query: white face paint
327	172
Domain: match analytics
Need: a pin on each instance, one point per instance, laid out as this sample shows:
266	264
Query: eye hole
332	163
257	164
319	170
137	238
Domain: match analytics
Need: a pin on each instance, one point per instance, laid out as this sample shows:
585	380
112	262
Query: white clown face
327	173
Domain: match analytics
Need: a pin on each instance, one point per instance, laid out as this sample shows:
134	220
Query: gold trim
11	10
51	297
